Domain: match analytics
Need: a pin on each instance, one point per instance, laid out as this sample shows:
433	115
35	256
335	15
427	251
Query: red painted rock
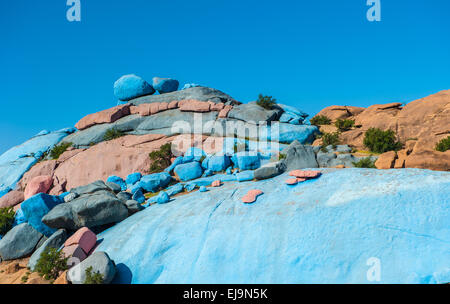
163	106
105	116
305	174
291	181
74	251
217	106
12	199
251	196
154	108
39	184
84	238
191	105
40	169
216	183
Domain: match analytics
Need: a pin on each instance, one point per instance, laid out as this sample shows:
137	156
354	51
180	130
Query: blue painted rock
194	154
131	86
246	160
153	182
189	171
138	196
36	207
218	163
133	178
165	85
203	189
321	231
162	198
119	181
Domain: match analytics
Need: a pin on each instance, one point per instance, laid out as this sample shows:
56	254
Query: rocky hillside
147	192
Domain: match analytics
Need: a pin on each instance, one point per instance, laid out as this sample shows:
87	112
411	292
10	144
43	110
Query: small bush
366	162
57	150
443	145
93	278
267	102
112	133
6	219
344	124
161	159
380	141
330	139
320	120
51	263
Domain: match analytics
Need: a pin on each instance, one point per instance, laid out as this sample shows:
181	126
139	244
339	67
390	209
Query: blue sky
309	54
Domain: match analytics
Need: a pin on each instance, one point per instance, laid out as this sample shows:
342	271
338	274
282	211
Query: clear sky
309	54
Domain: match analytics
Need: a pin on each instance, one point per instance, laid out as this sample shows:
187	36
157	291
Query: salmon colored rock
305	174
62	279
74	251
163	106
386	160
191	105
12	199
224	112
251	196
340	112
105	116
217	106
173	104
39	184
216	183
291	181
40	169
84	238
154	108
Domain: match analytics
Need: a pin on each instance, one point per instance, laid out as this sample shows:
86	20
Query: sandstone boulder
39	184
105	116
11	199
386	160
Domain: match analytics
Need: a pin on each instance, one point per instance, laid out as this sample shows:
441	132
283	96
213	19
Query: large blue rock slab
335	229
246	160
154	182
131	86
188	171
165	85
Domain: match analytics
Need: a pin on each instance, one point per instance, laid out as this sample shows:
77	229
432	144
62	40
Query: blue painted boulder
131	86
162	198
138	196
154	182
165	85
287	133
203	189
190	85
175	189
219	163
194	154
188	171
133	178
117	180
292	115
246	160
19	218
176	162
245	176
329	230
36	207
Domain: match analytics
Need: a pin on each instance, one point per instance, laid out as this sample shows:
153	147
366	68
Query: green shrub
320	120
51	263
329	139
344	124
6	219
112	133
366	162
267	102
57	150
443	145
380	141
93	278
161	159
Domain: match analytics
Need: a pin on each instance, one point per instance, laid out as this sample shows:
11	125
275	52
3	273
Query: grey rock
197	93
114	187
70	197
56	240
343	159
19	242
90	211
339	148
124	196
90	188
133	207
299	156
252	113
316	149
324	159
100	263
270	170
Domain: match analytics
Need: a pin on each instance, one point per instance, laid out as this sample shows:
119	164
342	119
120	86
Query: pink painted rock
291	181
105	116
68	154
40	169
154	108
217	106
84	238
305	174
163	106
134	110
173	104
192	105
39	184
74	251
251	196
216	183
224	112
11	199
